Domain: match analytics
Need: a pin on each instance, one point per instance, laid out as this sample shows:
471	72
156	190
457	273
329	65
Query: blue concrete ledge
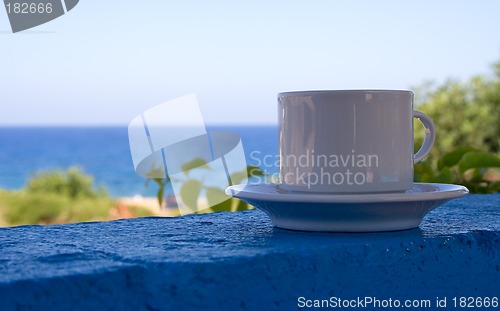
231	261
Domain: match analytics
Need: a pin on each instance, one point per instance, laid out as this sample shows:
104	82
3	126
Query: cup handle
430	135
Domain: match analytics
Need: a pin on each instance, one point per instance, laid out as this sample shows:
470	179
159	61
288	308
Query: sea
104	153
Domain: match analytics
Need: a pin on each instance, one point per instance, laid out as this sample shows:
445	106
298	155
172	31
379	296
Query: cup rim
317	92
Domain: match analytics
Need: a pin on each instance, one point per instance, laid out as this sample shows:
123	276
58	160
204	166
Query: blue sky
104	63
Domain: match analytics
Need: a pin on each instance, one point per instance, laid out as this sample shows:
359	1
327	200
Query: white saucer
369	212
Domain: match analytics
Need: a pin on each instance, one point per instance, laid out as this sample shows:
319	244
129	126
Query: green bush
139	211
467	119
465	166
73	183
465	114
56	197
22	207
192	189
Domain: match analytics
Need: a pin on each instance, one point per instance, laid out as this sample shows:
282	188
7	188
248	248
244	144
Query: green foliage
18	208
465	114
215	194
192	189
73	183
467	119
195	163
139	211
55	197
162	183
465	166
251	171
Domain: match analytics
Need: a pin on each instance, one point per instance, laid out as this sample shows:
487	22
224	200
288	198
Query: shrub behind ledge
22	207
73	183
55	197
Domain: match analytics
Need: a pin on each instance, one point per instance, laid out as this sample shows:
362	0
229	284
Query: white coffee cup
349	141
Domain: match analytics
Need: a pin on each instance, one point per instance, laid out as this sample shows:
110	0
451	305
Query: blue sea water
104	153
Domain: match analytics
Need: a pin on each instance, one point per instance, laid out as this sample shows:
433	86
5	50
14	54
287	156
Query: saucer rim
442	192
